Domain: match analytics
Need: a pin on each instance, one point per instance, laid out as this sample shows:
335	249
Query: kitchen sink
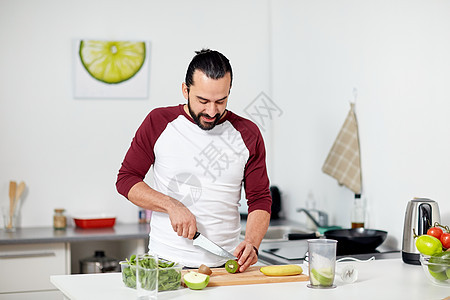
279	233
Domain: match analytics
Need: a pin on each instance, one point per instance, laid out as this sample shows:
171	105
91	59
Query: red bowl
95	221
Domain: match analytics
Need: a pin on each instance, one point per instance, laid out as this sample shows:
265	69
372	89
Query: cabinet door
28	267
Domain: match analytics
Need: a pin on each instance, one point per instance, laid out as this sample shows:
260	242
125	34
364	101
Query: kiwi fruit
204	270
232	266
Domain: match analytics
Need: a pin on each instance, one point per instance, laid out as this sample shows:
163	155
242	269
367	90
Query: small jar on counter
59	219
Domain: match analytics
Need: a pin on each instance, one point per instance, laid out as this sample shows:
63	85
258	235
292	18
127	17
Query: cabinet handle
27	254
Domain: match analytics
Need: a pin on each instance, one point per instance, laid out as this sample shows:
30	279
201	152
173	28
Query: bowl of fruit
437	268
434	248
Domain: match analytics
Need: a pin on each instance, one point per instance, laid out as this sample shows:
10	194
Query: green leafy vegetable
169	275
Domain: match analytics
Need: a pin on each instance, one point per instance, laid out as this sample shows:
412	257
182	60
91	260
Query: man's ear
185	90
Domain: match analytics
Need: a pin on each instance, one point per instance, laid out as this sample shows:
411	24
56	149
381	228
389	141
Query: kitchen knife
201	241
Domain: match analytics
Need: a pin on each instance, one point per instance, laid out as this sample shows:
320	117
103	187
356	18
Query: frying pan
350	241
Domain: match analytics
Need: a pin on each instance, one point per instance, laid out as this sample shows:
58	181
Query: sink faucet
323	217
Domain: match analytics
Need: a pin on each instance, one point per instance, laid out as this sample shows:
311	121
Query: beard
205	125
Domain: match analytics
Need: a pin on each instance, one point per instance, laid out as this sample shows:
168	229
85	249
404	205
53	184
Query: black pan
352	241
356	240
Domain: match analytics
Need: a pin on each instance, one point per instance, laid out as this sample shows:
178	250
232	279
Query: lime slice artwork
112	62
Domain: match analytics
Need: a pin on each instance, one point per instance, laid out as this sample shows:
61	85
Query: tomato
435	231
428	245
445	240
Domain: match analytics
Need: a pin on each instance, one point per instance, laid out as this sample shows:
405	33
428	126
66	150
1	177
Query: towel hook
355	95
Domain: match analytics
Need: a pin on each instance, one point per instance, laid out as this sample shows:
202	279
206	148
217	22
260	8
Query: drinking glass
9	219
147	276
322	263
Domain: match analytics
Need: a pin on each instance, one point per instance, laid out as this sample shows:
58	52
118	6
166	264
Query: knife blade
202	241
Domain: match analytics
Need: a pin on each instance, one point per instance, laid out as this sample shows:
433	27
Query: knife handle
302	236
196	235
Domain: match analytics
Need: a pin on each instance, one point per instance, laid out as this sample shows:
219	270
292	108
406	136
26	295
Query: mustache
208	116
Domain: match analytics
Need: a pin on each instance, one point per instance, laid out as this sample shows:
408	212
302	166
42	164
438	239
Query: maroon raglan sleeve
256	180
140	156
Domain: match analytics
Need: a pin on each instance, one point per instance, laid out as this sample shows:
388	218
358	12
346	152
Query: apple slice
195	280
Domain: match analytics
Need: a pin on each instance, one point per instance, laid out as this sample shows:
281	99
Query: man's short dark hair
213	63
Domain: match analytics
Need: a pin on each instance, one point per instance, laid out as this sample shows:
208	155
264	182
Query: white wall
307	56
396	54
69	150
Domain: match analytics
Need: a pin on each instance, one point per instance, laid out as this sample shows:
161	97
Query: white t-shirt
204	170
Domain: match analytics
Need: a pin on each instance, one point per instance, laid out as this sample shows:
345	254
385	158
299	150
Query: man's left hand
246	254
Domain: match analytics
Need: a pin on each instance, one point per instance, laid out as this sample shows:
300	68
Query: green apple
441	276
322	277
195	280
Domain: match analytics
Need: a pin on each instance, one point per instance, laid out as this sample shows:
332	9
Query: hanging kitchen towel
343	162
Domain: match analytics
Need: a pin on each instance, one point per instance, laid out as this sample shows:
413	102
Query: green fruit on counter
447	272
439	262
441	276
322	277
428	245
232	266
195	280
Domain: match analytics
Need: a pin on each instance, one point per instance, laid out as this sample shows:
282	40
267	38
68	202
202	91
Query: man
202	154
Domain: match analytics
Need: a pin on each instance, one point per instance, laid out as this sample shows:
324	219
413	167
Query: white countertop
379	279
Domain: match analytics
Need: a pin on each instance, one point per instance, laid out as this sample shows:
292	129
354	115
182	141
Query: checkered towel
343	161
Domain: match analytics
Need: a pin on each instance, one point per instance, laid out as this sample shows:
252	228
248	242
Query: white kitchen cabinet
29	256
26	269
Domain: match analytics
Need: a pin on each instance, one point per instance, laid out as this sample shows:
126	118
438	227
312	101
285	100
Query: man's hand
246	254
257	224
183	221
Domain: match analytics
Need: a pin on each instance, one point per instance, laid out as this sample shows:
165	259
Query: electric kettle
420	215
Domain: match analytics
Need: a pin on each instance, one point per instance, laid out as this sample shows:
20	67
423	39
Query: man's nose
212	109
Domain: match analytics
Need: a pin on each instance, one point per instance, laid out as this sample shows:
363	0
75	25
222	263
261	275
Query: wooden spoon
19	192
12	197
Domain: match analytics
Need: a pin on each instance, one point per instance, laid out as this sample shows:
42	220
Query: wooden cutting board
220	277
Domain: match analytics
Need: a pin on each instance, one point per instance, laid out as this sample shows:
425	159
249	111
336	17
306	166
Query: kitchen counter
294	252
118	242
39	235
379	279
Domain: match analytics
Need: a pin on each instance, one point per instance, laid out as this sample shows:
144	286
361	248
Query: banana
281	270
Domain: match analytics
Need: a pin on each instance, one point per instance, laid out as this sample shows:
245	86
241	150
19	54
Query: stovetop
294	253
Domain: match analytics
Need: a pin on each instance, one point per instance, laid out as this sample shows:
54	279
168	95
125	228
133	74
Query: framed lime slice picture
112	62
111	68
